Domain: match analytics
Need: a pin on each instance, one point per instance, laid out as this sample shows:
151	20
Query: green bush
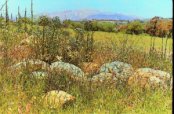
99	26
135	27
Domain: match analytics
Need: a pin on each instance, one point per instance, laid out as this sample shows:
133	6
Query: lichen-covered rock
103	77
157	73
30	65
74	71
57	99
120	69
147	77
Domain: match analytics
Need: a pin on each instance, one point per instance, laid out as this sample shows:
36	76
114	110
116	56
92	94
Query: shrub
135	27
159	27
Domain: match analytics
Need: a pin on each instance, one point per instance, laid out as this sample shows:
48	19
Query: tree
135	27
56	22
88	25
159	27
67	23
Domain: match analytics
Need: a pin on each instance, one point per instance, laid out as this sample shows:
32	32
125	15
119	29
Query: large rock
106	79
75	72
147	77
57	99
103	77
31	66
120	69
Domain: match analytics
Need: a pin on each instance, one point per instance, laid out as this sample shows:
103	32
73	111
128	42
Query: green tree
56	23
88	26
135	27
67	23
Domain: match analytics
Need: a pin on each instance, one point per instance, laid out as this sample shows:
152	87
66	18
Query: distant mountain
78	15
75	15
103	16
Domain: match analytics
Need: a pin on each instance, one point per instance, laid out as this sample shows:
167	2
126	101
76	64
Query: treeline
155	27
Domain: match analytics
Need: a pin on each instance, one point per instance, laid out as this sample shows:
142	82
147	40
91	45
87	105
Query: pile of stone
147	77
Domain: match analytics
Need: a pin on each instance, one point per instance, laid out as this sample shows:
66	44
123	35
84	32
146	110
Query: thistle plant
25	20
32	16
43	21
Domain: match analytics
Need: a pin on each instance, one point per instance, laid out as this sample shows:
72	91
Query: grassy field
99	101
142	41
18	91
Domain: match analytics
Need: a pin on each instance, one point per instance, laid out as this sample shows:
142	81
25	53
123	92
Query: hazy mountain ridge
78	15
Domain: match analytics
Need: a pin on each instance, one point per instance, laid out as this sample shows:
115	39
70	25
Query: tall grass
23	93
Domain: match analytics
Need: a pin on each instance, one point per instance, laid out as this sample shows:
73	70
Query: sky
140	8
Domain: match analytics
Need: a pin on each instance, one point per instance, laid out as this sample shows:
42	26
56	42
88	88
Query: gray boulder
73	70
31	65
147	77
157	73
103	77
120	69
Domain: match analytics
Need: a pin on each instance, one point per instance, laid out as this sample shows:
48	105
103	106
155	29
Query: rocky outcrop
147	77
74	72
120	69
104	77
30	65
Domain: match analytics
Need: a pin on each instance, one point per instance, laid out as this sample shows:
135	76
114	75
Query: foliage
159	27
67	23
24	20
43	21
21	92
135	27
56	22
106	26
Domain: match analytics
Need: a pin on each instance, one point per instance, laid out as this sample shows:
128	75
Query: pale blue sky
141	8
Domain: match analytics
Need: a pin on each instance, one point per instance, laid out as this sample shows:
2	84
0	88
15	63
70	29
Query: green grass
17	90
142	41
102	100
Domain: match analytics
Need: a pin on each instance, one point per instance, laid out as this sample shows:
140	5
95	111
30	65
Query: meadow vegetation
79	43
